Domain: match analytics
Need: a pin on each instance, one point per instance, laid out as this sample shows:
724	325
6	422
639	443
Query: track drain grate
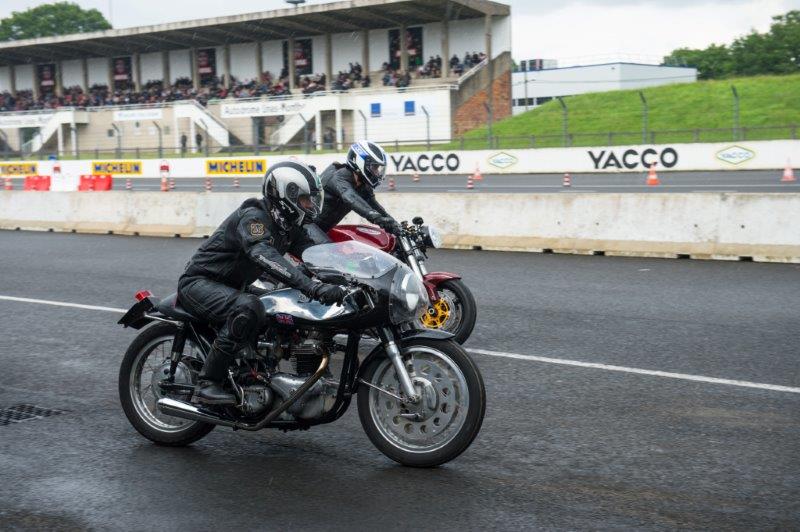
17	413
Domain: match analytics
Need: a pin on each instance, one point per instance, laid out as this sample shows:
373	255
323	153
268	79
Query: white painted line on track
638	371
503	354
61	304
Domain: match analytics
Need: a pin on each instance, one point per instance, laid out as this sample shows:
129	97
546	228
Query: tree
59	18
774	52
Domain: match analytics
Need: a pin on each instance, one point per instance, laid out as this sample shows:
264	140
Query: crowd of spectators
214	88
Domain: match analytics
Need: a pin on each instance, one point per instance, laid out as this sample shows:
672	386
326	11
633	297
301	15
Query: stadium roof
304	20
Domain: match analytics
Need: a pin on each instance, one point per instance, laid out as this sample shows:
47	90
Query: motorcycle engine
257	399
305	357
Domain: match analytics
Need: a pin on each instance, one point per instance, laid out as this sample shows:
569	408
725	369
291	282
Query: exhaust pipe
174	408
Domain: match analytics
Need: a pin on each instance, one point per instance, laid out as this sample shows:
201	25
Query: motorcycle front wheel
455	311
443	423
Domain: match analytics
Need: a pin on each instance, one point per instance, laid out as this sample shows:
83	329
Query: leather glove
328	294
389	224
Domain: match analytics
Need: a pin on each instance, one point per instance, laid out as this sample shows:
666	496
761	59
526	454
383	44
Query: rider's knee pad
246	319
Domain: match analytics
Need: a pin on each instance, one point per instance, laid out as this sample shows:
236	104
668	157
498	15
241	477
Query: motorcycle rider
351	187
249	243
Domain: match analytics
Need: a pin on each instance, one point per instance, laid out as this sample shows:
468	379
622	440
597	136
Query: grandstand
227	85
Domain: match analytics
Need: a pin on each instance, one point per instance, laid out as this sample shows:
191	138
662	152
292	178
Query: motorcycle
421	398
453	307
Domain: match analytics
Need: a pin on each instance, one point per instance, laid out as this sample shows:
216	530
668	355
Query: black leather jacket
248	244
342	196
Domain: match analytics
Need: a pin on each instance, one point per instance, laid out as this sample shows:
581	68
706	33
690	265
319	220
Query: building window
375	109
543	99
410	108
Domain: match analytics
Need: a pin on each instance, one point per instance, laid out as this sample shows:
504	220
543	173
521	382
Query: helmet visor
310	203
376	170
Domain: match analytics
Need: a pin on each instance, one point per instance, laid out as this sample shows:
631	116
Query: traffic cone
567	180
235	182
788	173
172	183
470	183
128	184
208	184
415	178
391	184
9	185
652	177
477	175
164	184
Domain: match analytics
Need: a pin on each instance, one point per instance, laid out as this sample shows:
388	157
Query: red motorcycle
452	307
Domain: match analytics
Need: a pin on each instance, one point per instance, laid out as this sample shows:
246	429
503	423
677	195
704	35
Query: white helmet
293	189
369	160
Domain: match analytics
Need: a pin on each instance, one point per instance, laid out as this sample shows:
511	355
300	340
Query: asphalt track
608	443
675	182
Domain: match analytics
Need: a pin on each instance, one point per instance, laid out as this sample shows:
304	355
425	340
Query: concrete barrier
765	227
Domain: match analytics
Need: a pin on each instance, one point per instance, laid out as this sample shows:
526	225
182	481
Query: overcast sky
569	30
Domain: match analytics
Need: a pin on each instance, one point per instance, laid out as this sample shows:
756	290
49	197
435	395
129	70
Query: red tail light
143	294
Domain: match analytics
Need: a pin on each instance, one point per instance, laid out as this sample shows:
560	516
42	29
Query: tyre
145	364
446	420
455	312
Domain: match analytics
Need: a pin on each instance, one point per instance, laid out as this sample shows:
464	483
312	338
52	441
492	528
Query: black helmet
293	191
368	160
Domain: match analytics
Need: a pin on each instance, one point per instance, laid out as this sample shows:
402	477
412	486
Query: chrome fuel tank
291	302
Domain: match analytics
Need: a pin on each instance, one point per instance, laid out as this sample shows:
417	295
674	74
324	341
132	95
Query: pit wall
757	155
764	227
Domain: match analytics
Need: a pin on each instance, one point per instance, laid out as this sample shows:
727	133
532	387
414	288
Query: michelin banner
757	155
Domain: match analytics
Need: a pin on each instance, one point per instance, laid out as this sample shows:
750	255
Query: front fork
416	262
393	352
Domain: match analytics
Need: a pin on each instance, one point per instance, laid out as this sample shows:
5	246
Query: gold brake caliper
436	315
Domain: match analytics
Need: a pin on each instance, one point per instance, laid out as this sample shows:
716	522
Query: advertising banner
129	115
117	167
222	167
19	168
8	120
121	72
206	64
46	74
303	64
262	108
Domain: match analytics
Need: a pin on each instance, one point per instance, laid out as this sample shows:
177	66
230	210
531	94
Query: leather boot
209	389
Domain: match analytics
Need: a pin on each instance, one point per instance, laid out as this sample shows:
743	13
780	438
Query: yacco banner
248	109
117	167
131	115
19	168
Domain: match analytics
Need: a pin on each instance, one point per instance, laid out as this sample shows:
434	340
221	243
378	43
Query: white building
533	88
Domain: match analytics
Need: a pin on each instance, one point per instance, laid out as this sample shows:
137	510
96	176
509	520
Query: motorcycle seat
170	307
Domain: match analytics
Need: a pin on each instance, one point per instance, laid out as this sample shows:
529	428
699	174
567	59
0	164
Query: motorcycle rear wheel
455	312
138	377
447	419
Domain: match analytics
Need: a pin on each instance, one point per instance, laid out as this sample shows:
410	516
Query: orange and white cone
208	184
477	175
470	183
235	182
415	178
567	180
9	185
391	184
172	183
164	184
128	184
788	174
652	177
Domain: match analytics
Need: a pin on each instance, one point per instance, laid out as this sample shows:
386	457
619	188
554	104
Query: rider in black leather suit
350	187
249	243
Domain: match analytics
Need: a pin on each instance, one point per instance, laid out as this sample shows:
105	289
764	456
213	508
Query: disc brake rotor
436	315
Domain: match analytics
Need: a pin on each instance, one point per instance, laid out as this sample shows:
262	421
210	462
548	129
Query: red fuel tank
368	234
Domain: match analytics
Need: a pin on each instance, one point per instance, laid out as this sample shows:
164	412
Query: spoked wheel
455	311
145	365
443	423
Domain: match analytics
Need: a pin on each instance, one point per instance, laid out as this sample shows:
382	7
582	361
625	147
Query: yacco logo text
436	162
632	159
735	155
235	166
19	169
116	167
